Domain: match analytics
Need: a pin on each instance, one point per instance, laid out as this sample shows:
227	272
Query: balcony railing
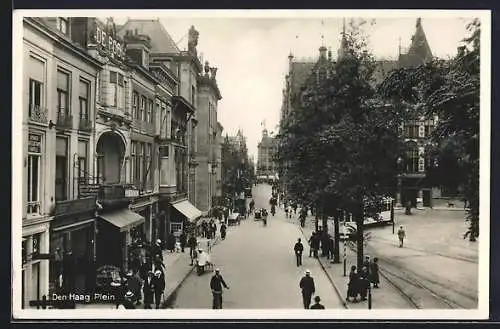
85	124
64	120
37	113
34	207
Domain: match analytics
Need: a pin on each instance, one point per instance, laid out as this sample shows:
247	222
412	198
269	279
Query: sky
251	53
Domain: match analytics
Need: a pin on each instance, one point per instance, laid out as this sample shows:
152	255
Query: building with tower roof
267	168
301	76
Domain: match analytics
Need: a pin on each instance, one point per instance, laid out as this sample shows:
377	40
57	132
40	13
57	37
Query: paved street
413	276
259	266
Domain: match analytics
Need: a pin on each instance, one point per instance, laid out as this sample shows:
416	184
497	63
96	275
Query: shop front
183	217
72	246
35	264
116	232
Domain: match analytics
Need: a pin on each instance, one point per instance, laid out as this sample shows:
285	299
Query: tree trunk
360	236
336	249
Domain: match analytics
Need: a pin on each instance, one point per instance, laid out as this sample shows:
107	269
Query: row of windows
413	130
142	108
36	101
35	169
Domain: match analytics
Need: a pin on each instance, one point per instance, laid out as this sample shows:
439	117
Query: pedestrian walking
298	249
308	288
216	284
294	207
374	276
331	247
192	243
353	286
214	229
182	240
223	231
315	241
159	287
364	283
148	290
317	305
158	264
134	286
310	242
171	241
366	263
157	249
286	212
401	236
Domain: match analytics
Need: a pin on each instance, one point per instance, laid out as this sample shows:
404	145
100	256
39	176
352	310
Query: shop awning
187	209
123	219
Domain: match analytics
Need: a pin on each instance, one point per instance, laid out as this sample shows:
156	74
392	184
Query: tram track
427	251
423	292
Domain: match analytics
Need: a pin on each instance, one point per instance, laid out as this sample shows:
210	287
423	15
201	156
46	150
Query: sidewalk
178	268
385	297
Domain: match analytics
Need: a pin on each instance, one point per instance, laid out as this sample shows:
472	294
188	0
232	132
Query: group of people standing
145	281
360	281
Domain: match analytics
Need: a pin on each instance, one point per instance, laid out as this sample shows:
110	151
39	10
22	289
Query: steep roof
419	51
161	41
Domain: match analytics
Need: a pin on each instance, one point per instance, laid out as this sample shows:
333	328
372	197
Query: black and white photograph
251	164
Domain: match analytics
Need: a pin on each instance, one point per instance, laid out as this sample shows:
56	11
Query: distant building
266	165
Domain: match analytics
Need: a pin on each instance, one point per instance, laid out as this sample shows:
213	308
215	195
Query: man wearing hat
128	300
308	288
216	284
298	248
317	305
134	286
157	250
158	286
148	290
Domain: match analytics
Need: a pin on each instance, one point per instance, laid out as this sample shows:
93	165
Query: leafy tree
449	90
340	148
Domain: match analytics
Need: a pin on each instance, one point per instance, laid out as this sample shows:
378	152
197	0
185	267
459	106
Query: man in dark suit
308	289
298	248
148	290
216	284
158	287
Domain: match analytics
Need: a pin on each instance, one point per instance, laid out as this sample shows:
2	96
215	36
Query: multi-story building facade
266	165
218	171
176	129
58	226
412	184
208	97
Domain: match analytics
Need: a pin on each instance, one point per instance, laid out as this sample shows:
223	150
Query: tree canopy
448	89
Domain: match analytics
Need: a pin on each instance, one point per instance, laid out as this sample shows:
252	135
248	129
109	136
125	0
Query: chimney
290	60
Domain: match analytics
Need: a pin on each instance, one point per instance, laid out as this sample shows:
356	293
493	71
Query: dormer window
62	24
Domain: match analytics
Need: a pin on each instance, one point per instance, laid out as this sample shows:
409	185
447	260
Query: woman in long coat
374	276
353	285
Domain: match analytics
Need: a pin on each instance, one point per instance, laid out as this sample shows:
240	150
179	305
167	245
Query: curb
168	299
337	290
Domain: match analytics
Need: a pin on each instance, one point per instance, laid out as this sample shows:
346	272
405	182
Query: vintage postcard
251	164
